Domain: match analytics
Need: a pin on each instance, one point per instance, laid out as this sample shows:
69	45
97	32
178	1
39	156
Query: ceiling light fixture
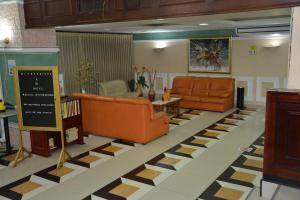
160	19
203	24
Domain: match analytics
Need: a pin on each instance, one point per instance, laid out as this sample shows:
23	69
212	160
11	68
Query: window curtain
111	55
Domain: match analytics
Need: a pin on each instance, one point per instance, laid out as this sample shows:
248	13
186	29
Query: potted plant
85	75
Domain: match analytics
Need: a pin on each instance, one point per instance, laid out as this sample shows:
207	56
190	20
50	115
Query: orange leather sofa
130	119
214	94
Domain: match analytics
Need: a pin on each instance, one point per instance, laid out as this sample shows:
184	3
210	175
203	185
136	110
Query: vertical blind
111	55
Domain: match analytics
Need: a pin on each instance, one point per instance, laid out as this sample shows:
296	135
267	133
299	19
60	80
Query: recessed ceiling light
203	24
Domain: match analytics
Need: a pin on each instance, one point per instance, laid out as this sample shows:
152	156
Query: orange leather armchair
131	119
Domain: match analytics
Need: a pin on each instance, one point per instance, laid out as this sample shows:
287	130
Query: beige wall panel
294	72
267	62
174	58
265	86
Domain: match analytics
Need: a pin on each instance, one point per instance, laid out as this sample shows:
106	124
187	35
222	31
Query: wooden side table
172	106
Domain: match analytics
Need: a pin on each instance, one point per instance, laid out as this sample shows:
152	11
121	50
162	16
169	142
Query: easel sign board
38	98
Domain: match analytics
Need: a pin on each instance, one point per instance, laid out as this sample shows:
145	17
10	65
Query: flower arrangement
140	78
141	81
152	77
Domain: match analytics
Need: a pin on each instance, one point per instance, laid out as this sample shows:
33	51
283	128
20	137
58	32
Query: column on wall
294	60
1	91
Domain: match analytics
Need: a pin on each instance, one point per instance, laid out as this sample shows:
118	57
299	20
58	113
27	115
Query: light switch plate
11	64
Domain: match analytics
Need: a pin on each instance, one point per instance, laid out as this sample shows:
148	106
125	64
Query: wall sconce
6	32
157	50
273	44
6	41
159	46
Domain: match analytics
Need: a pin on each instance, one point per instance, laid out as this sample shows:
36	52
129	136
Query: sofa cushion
212	100
222	84
201	83
181	82
218	93
191	98
199	92
184	91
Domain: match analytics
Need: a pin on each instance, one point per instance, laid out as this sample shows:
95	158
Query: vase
151	93
139	90
82	91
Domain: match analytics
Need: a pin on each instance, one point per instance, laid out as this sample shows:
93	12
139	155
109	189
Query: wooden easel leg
22	152
64	155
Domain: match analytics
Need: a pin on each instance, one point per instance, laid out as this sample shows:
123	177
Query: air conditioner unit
283	29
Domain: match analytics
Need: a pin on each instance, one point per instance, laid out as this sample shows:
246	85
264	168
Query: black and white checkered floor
202	158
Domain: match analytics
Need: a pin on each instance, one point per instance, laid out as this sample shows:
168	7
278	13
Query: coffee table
172	106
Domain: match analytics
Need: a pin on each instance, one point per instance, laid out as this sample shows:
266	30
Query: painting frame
224	69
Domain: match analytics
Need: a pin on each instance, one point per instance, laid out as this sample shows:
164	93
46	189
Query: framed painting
210	55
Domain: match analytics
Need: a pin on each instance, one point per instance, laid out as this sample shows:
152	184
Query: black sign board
37	98
37	95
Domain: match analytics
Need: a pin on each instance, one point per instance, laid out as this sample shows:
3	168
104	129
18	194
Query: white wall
294	61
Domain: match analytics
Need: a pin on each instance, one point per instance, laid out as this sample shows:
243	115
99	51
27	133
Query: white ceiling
215	22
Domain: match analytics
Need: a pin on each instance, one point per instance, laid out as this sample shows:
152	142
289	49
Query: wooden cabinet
71	119
282	137
33	13
47	13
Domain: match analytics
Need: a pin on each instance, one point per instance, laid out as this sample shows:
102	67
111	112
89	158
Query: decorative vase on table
166	95
82	90
151	93
139	90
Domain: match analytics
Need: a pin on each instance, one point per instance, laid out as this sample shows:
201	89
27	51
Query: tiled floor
132	174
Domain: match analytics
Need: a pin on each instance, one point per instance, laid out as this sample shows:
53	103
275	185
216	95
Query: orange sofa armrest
81	95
